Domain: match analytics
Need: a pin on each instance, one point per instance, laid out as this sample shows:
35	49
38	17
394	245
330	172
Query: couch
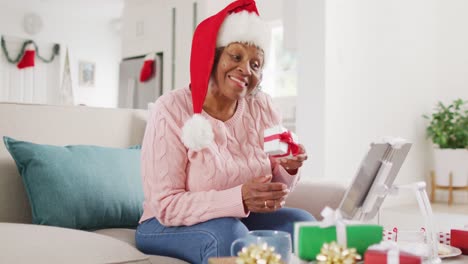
24	242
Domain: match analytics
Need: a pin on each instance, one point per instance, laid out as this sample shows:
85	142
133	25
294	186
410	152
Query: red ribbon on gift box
380	257
285	137
388	252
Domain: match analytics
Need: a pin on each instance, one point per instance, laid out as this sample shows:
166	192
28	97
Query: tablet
378	170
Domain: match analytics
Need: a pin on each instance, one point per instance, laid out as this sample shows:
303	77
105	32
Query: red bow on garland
285	137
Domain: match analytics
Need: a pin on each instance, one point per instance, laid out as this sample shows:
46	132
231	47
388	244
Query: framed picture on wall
87	73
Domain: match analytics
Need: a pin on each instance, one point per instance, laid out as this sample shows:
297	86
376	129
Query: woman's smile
238	82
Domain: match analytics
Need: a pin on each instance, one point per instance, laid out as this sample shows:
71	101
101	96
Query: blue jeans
213	238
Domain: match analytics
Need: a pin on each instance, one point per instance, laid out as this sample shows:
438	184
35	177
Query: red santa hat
147	70
28	58
238	22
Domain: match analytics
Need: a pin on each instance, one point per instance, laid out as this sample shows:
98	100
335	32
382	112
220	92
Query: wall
452	52
86	30
452	61
385	63
147	27
269	9
380	80
310	115
367	69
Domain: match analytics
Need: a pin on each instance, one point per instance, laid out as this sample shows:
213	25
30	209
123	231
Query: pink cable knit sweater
184	187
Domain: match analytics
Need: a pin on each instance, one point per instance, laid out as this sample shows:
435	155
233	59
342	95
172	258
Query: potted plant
448	130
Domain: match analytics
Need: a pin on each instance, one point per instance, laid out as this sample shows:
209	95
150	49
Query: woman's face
238	71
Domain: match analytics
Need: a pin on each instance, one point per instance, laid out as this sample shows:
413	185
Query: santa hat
28	57
238	22
148	68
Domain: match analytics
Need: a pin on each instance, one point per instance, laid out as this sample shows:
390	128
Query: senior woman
207	180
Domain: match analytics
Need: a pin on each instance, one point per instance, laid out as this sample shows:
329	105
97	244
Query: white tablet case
379	168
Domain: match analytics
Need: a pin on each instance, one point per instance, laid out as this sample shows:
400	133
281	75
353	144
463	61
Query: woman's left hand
294	163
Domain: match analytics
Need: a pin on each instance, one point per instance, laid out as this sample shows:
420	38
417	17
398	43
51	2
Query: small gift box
444	238
387	252
279	142
310	236
390	234
459	239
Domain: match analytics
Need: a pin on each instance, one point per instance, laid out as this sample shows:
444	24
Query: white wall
452	52
269	9
380	80
85	28
155	19
146	28
452	61
385	64
367	69
310	115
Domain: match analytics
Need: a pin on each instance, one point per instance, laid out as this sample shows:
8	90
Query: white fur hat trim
245	27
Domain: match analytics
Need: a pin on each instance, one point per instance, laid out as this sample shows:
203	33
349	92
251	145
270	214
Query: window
280	73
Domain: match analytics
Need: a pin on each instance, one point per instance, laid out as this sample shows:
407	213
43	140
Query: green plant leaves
448	127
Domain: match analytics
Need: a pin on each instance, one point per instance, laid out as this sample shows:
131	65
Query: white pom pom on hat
197	132
238	22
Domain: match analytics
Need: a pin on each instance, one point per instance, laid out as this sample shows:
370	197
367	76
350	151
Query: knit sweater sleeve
164	162
281	175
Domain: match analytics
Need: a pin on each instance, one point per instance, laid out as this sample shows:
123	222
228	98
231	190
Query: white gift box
275	147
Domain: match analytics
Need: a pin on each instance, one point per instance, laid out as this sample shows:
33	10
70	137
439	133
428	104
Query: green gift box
309	237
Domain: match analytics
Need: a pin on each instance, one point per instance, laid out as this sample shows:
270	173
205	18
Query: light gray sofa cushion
122	234
27	243
128	236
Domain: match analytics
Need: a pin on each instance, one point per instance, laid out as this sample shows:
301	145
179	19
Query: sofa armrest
314	196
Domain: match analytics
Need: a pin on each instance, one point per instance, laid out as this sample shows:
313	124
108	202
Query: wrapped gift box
380	257
459	239
444	238
309	237
273	145
392	235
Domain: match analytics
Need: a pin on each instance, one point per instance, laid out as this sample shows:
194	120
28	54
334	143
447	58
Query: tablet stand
379	190
419	190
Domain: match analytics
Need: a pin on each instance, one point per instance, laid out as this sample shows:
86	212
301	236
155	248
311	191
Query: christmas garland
55	51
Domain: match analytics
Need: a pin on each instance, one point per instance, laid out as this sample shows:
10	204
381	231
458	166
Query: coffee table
456	260
232	260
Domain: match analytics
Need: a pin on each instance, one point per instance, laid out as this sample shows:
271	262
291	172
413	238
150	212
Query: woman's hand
260	195
294	163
